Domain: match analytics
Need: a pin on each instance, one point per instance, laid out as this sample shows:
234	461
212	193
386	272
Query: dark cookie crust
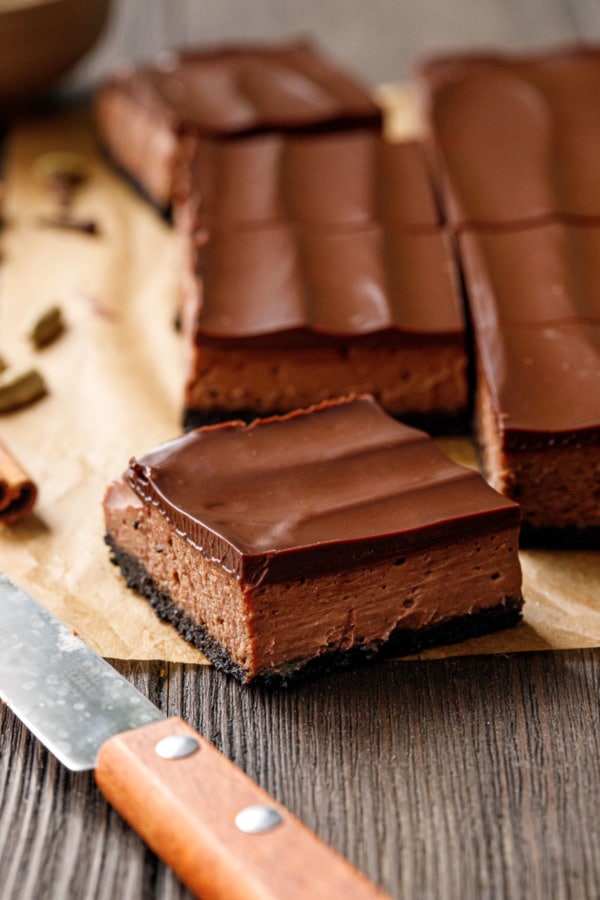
401	643
570	538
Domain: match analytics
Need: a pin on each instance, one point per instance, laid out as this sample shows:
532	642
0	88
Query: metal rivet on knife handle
256	819
176	746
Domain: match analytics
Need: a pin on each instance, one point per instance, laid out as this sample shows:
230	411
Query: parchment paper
115	384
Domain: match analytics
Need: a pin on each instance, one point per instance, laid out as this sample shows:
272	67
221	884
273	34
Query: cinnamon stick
18	492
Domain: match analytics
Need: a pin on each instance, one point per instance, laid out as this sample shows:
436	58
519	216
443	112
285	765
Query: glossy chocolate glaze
544	274
517	139
312	492
241	89
315	285
345	179
545	383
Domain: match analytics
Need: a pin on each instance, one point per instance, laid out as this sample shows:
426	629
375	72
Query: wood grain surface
186	810
473	777
462	778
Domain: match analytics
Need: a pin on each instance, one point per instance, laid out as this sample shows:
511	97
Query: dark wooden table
463	778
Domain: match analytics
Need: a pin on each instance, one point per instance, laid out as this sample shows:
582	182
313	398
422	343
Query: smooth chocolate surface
314	284
545	383
340	486
539	275
535	306
517	138
345	179
240	89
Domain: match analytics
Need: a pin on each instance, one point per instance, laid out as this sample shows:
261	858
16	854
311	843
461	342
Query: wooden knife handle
185	809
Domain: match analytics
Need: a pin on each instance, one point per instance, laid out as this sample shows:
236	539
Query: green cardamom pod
47	327
19	387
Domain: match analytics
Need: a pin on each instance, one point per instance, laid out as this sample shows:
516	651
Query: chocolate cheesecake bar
538	426
316	267
145	115
306	541
516	141
536	315
515	138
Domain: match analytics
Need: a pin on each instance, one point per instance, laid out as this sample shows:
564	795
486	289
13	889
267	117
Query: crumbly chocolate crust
401	643
567	538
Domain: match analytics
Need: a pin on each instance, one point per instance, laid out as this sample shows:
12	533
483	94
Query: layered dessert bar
536	314
515	138
515	141
538	426
316	266
302	542
146	115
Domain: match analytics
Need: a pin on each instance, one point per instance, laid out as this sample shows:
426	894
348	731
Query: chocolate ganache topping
317	238
246	88
344	179
538	275
338	486
528	142
546	383
327	284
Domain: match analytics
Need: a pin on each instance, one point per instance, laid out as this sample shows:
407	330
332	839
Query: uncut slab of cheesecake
145	115
315	266
303	542
516	142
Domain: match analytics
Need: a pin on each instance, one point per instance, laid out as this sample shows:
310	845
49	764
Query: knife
223	835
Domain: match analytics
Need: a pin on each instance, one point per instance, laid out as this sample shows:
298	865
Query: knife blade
222	834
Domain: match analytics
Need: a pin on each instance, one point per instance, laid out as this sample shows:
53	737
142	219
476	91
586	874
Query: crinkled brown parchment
115	380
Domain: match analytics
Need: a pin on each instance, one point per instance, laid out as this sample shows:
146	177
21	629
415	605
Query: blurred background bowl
40	40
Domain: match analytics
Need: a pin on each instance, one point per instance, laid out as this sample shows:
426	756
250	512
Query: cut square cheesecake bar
538	426
533	295
305	541
518	179
315	267
278	318
145	115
